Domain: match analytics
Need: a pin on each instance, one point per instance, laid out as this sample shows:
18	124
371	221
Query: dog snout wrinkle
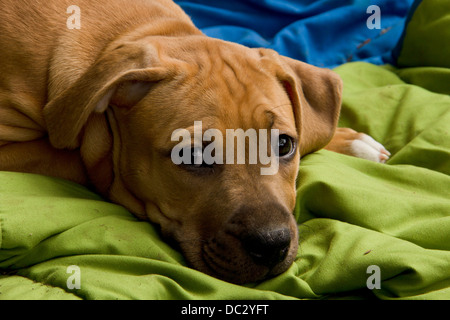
268	247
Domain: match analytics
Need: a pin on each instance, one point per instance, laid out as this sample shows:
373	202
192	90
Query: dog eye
195	161
286	146
196	158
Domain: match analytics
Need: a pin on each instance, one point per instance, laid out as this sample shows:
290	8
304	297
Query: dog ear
122	77
315	94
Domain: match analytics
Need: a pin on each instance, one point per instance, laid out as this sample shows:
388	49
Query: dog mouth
245	248
232	261
218	265
229	268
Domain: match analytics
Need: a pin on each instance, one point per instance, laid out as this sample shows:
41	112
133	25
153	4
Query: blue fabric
325	33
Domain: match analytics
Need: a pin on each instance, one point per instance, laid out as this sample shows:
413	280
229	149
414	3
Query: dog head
229	220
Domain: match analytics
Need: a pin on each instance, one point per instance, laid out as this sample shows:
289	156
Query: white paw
367	148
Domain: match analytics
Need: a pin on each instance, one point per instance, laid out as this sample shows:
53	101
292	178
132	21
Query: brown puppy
98	105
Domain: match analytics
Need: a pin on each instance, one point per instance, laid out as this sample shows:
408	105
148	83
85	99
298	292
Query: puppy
98	105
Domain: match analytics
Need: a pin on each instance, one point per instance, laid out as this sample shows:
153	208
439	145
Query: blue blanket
325	33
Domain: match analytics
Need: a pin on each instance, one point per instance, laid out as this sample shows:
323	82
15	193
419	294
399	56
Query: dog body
97	105
41	58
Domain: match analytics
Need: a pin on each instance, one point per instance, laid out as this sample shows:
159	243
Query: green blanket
359	222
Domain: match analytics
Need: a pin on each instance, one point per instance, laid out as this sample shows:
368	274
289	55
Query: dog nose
268	247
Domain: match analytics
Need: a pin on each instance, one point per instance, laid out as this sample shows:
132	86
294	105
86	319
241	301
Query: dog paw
348	141
367	148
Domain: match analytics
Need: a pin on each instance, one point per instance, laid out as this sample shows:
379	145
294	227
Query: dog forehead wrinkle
238	88
233	100
243	67
270	116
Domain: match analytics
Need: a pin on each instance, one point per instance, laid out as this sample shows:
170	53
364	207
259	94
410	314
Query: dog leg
348	141
40	157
